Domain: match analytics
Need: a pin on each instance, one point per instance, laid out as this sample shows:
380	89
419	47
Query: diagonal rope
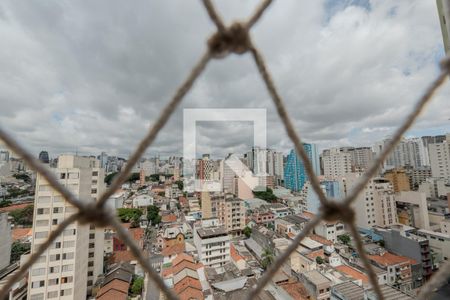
237	40
281	109
40	168
35	255
427	96
437	280
143	261
362	254
154	130
276	265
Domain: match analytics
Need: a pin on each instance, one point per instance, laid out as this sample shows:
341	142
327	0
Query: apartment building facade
70	266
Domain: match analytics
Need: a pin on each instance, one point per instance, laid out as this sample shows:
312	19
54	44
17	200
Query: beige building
440	158
230	211
70	266
5	240
336	163
376	203
415	206
398	179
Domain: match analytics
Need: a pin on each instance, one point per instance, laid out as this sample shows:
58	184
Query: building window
68	244
38	272
55	222
42	211
37	284
66	292
62	176
55	257
54	269
58	210
67	279
52	294
41	235
68	255
93	191
39	296
67	268
42	223
53	281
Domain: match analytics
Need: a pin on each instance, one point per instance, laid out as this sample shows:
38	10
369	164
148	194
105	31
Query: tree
5	203
22	176
136	285
344	239
265	195
180	184
319	260
267	258
153	214
23	216
18	249
109	178
247	231
131	215
133	177
154	177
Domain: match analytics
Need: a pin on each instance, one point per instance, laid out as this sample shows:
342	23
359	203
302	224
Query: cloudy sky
92	75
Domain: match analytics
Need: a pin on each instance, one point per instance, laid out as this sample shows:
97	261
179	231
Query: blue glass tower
294	171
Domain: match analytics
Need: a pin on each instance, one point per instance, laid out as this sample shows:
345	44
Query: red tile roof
296	290
137	233
315	254
181	257
21	233
320	239
116	289
234	254
14	207
172	250
353	273
191	294
169	218
187	282
389	259
122	256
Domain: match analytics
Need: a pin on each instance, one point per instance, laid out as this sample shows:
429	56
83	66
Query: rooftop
211	232
349	291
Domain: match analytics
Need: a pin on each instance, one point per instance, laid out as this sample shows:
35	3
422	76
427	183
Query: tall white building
440	158
70	266
212	243
408	152
5	240
336	163
375	205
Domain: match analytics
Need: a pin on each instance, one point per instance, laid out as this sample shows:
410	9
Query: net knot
233	39
334	211
93	214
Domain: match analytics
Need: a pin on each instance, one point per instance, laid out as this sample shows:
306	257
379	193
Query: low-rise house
318	285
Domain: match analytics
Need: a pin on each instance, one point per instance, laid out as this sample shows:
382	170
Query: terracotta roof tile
187	282
115	289
175	249
169	218
21	233
353	273
388	259
136	233
320	239
234	254
181	257
315	254
14	207
191	294
296	290
122	256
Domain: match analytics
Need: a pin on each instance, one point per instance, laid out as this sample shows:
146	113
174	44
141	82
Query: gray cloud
93	75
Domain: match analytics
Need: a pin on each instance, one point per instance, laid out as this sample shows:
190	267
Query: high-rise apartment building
212	243
70	266
408	152
230	211
5	240
362	157
444	17
375	205
294	171
440	158
336	163
230	168
399	180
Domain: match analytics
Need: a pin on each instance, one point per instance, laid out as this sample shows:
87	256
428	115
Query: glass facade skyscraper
294	171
